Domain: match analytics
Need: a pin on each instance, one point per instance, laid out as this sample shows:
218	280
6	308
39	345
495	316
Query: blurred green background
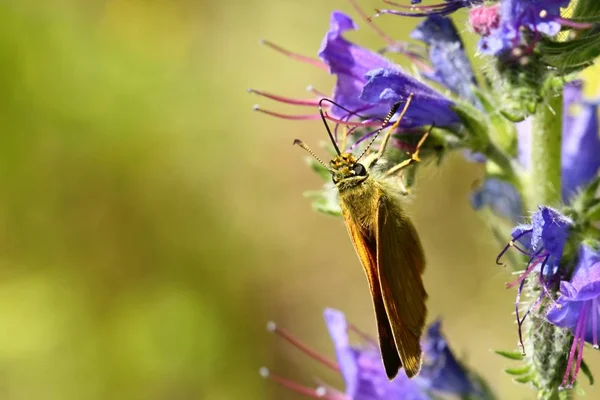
151	223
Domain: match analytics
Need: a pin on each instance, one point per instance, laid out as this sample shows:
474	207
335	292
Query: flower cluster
523	119
364	375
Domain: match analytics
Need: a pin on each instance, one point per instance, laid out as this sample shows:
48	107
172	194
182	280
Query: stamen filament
574	346
584	311
521	278
312	61
311	88
351	123
286	100
595	310
377	29
293	386
271	326
287	116
574	24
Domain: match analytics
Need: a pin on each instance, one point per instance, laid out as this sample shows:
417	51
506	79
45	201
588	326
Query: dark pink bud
484	19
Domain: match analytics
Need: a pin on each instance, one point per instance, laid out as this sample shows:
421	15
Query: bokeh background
151	223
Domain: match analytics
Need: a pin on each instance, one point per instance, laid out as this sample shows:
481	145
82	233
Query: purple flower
363	372
543	241
350	63
452	67
360	366
389	86
362	369
500	196
578	308
441	370
580	142
536	17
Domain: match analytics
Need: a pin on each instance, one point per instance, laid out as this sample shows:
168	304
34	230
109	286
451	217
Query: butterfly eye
359	170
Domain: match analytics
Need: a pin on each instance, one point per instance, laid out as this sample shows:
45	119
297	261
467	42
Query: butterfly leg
388	134
414	157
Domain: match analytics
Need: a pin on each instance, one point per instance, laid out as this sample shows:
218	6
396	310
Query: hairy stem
545	187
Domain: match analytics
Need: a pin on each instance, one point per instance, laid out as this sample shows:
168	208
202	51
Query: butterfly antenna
312	153
386	120
337	149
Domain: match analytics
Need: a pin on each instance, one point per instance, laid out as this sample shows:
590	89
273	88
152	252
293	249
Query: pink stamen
311	89
377	29
287	116
524	274
595	311
293	386
364	336
574	346
312	61
351	123
302	347
286	100
579	357
574	24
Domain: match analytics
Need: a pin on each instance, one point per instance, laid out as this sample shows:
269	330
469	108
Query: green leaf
319	169
518	371
512	355
573	54
593	213
586	11
325	201
524	379
586	370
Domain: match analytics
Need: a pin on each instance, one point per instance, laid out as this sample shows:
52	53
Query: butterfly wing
366	248
401	261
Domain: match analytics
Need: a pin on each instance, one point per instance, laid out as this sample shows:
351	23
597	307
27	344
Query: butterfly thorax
347	172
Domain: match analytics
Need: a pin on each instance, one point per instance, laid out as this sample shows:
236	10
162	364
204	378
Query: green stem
546	138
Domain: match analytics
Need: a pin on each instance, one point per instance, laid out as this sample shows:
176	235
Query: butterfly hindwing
400	263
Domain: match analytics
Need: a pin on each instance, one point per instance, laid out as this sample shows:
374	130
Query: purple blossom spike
452	67
388	86
580	145
578	308
536	17
543	241
350	63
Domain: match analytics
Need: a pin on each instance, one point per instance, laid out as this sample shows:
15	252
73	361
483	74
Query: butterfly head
346	168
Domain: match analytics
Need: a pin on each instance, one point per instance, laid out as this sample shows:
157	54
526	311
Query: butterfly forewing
399	269
365	244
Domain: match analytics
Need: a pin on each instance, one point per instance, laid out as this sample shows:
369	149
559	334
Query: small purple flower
578	308
543	241
580	143
441	370
452	67
350	63
536	17
500	196
389	86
